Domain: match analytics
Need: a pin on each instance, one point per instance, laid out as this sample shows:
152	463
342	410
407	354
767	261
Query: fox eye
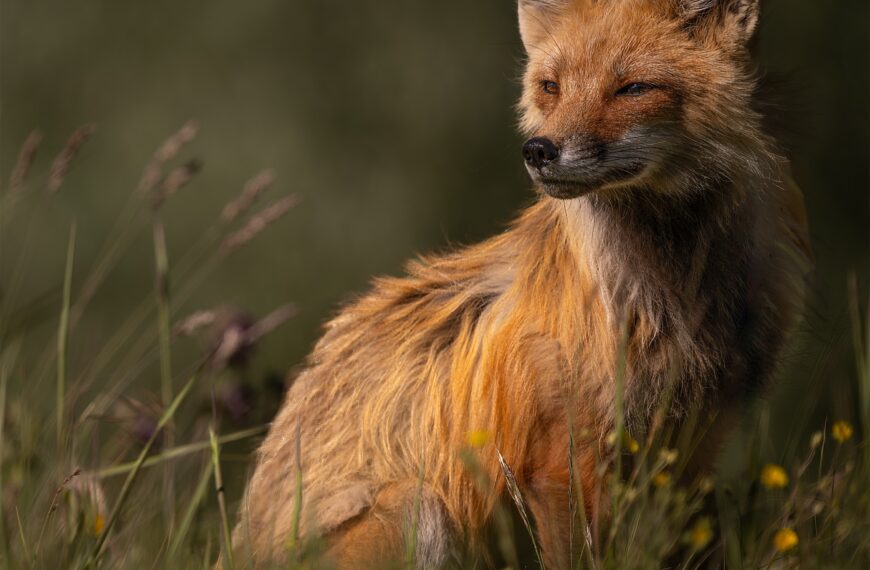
634	89
550	87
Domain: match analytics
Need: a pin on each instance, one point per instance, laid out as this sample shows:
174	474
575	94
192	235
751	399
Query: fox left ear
725	21
536	17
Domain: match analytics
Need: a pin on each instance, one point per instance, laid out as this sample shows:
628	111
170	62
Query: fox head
645	95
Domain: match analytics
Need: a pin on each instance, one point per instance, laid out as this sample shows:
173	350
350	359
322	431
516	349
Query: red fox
663	210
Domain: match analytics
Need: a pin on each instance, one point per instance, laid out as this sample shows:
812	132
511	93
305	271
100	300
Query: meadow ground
130	450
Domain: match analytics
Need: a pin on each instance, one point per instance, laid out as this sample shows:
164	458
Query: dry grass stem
252	190
91	491
258	223
63	338
25	161
54	505
22	538
271	322
515	495
4	541
61	165
161	260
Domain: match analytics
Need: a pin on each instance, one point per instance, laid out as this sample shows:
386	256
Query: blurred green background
392	119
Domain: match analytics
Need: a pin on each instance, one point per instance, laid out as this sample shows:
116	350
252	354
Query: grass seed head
195	322
669	456
166	152
61	165
174	181
252	190
24	162
258	223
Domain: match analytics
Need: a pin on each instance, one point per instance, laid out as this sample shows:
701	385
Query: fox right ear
728	22
536	17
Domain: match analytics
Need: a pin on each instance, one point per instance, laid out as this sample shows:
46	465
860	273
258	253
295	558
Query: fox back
667	247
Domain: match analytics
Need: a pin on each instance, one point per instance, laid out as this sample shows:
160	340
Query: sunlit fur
702	253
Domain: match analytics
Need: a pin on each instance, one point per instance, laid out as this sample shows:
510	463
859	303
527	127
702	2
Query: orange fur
703	252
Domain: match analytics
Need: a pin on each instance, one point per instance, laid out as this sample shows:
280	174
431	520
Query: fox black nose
540	152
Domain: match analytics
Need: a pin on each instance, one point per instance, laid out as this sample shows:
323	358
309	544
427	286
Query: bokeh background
394	122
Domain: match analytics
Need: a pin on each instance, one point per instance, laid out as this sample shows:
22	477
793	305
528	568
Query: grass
105	478
227	552
63	337
167	416
161	262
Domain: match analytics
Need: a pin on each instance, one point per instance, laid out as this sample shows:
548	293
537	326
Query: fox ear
536	18
725	21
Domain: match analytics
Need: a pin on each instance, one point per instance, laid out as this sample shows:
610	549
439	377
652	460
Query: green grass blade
161	259
222	504
206	563
24	548
176	452
63	338
192	508
861	348
297	498
7	361
4	540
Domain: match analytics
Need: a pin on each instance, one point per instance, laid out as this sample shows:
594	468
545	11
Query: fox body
667	229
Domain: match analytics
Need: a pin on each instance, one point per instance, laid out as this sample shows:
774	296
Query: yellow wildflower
630	443
99	524
700	534
842	431
774	477
478	438
661	479
785	539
